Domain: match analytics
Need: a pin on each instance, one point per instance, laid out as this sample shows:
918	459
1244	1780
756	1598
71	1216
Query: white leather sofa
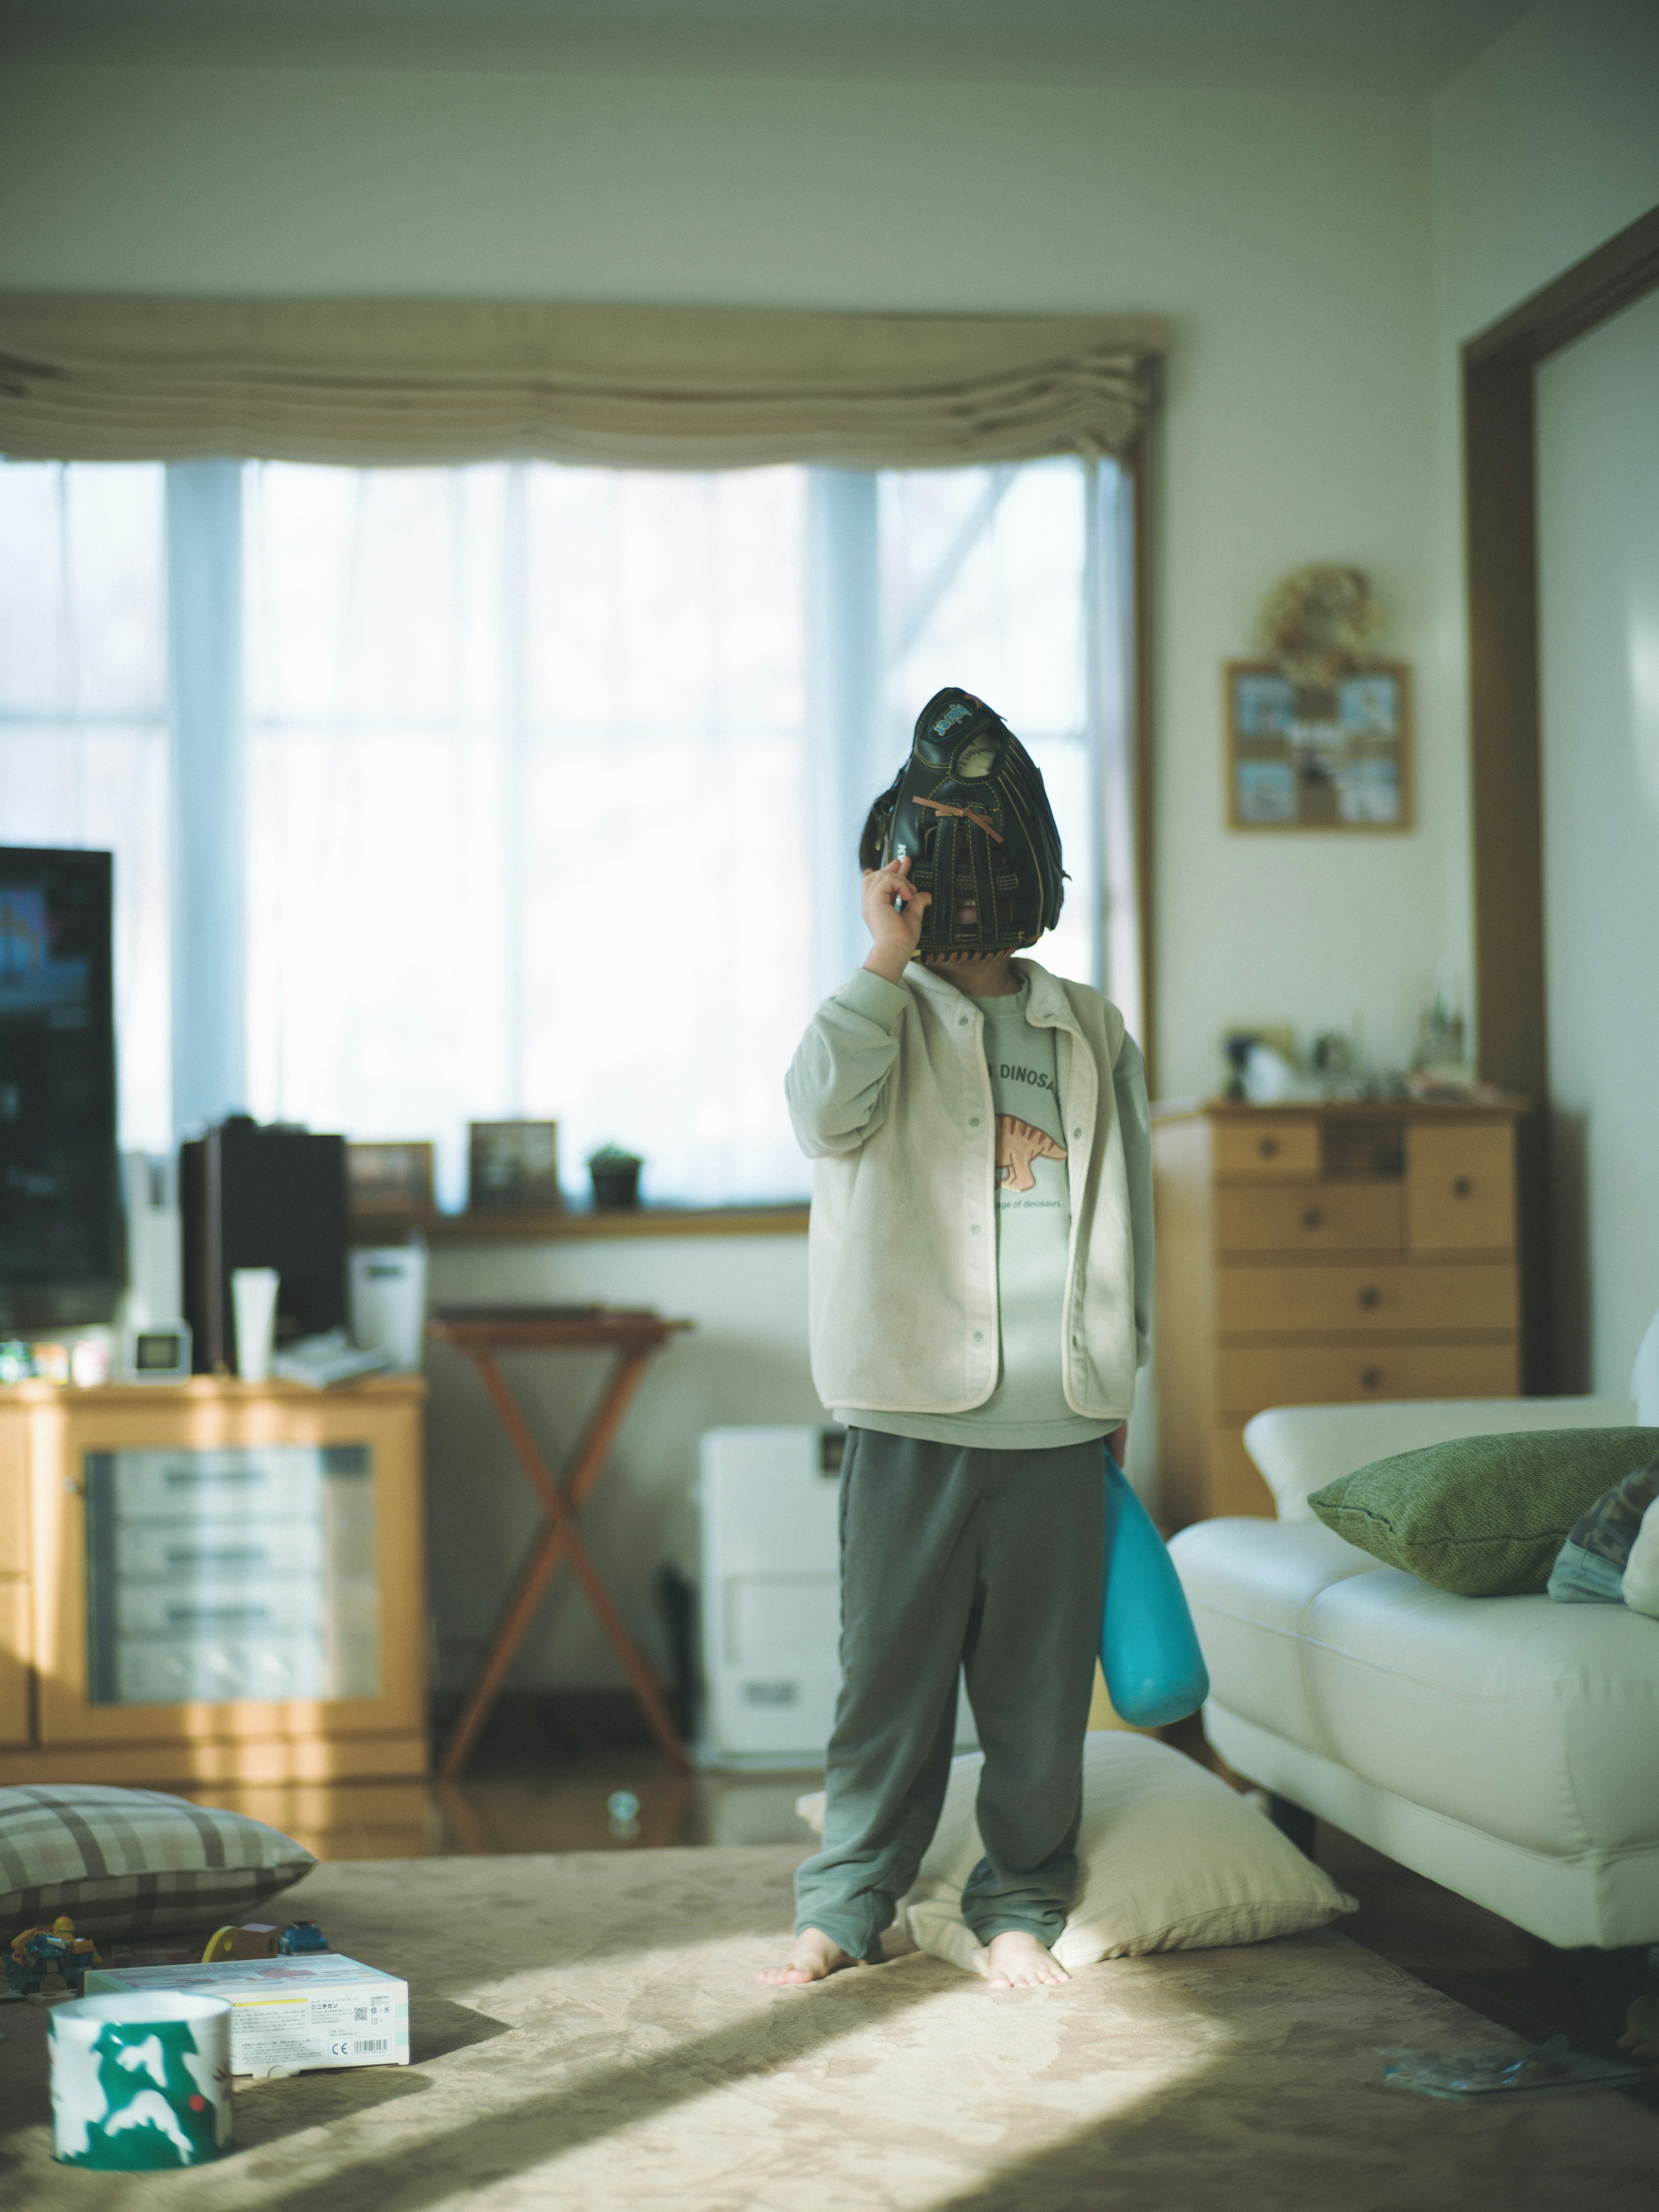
1507	1747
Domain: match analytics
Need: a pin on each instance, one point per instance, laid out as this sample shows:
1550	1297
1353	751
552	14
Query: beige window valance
414	382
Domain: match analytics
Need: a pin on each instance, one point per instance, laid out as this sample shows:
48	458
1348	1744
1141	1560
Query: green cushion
1482	1516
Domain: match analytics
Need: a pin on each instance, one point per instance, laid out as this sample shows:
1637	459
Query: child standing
981	1264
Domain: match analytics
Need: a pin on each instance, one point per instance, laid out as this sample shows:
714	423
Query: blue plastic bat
1149	1651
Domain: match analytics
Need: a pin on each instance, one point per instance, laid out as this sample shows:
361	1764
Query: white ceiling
1403	46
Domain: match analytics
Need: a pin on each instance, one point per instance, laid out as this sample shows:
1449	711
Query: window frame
203	555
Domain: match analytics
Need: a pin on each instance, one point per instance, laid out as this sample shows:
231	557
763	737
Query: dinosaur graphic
1019	1143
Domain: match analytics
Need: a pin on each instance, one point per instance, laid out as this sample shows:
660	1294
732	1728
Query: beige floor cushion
1171	1858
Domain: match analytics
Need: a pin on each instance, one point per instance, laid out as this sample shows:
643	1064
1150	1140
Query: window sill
540	1225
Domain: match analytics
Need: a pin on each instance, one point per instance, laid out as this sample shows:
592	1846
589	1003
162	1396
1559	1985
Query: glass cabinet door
217	1563
246	1571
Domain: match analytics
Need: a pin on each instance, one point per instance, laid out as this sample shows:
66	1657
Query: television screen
60	1233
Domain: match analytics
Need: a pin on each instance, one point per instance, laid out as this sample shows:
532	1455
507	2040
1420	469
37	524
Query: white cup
140	2082
254	1290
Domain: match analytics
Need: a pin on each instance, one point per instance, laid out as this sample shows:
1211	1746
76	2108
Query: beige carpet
586	2035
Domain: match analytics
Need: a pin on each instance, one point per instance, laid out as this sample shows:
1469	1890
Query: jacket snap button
979	1336
973	1232
1077	1132
973	1121
961	1021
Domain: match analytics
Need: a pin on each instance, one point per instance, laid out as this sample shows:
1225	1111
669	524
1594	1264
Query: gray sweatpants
988	1561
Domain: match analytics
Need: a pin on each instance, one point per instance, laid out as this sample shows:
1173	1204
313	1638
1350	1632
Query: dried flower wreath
1320	623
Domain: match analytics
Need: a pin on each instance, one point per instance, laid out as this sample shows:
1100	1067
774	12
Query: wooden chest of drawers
1319	1254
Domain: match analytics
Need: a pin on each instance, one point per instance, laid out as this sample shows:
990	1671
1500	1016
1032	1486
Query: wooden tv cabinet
212	1581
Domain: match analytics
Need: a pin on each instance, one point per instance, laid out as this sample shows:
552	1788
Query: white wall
1598	516
1287	237
1545	147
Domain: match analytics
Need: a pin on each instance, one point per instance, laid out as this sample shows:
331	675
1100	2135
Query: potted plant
616	1176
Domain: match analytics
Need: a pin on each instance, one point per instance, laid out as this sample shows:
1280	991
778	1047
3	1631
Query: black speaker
262	1197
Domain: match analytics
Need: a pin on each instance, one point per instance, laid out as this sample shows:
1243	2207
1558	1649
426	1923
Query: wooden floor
548	1776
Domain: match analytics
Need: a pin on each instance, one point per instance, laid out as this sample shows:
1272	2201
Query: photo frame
1317	756
391	1182
512	1166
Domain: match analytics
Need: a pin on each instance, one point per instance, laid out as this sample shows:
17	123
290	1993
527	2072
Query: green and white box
289	2014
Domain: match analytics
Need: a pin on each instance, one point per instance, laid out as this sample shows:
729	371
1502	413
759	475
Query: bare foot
1017	1961
813	1957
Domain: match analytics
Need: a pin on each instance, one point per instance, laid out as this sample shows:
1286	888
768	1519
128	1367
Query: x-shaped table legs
560	1540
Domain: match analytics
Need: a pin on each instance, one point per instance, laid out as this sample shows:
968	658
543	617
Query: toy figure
50	1962
300	1936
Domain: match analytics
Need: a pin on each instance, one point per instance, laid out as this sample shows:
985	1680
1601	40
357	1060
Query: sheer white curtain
553	776
983	586
526	747
83	739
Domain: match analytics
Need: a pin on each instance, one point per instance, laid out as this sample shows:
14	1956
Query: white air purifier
771	1597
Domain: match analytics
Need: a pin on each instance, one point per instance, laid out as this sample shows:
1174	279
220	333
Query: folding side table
634	1337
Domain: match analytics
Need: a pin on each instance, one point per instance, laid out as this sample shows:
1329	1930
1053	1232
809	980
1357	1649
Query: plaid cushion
129	1864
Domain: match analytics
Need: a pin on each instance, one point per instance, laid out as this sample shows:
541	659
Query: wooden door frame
1500	506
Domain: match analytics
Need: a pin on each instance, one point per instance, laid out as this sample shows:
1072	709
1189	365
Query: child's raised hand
893	908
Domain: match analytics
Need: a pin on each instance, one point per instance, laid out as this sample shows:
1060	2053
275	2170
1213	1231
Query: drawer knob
1312	1217
1371	1377
1371	1297
1268	1148
1462	1187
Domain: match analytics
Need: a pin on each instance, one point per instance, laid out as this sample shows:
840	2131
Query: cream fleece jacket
890	1099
